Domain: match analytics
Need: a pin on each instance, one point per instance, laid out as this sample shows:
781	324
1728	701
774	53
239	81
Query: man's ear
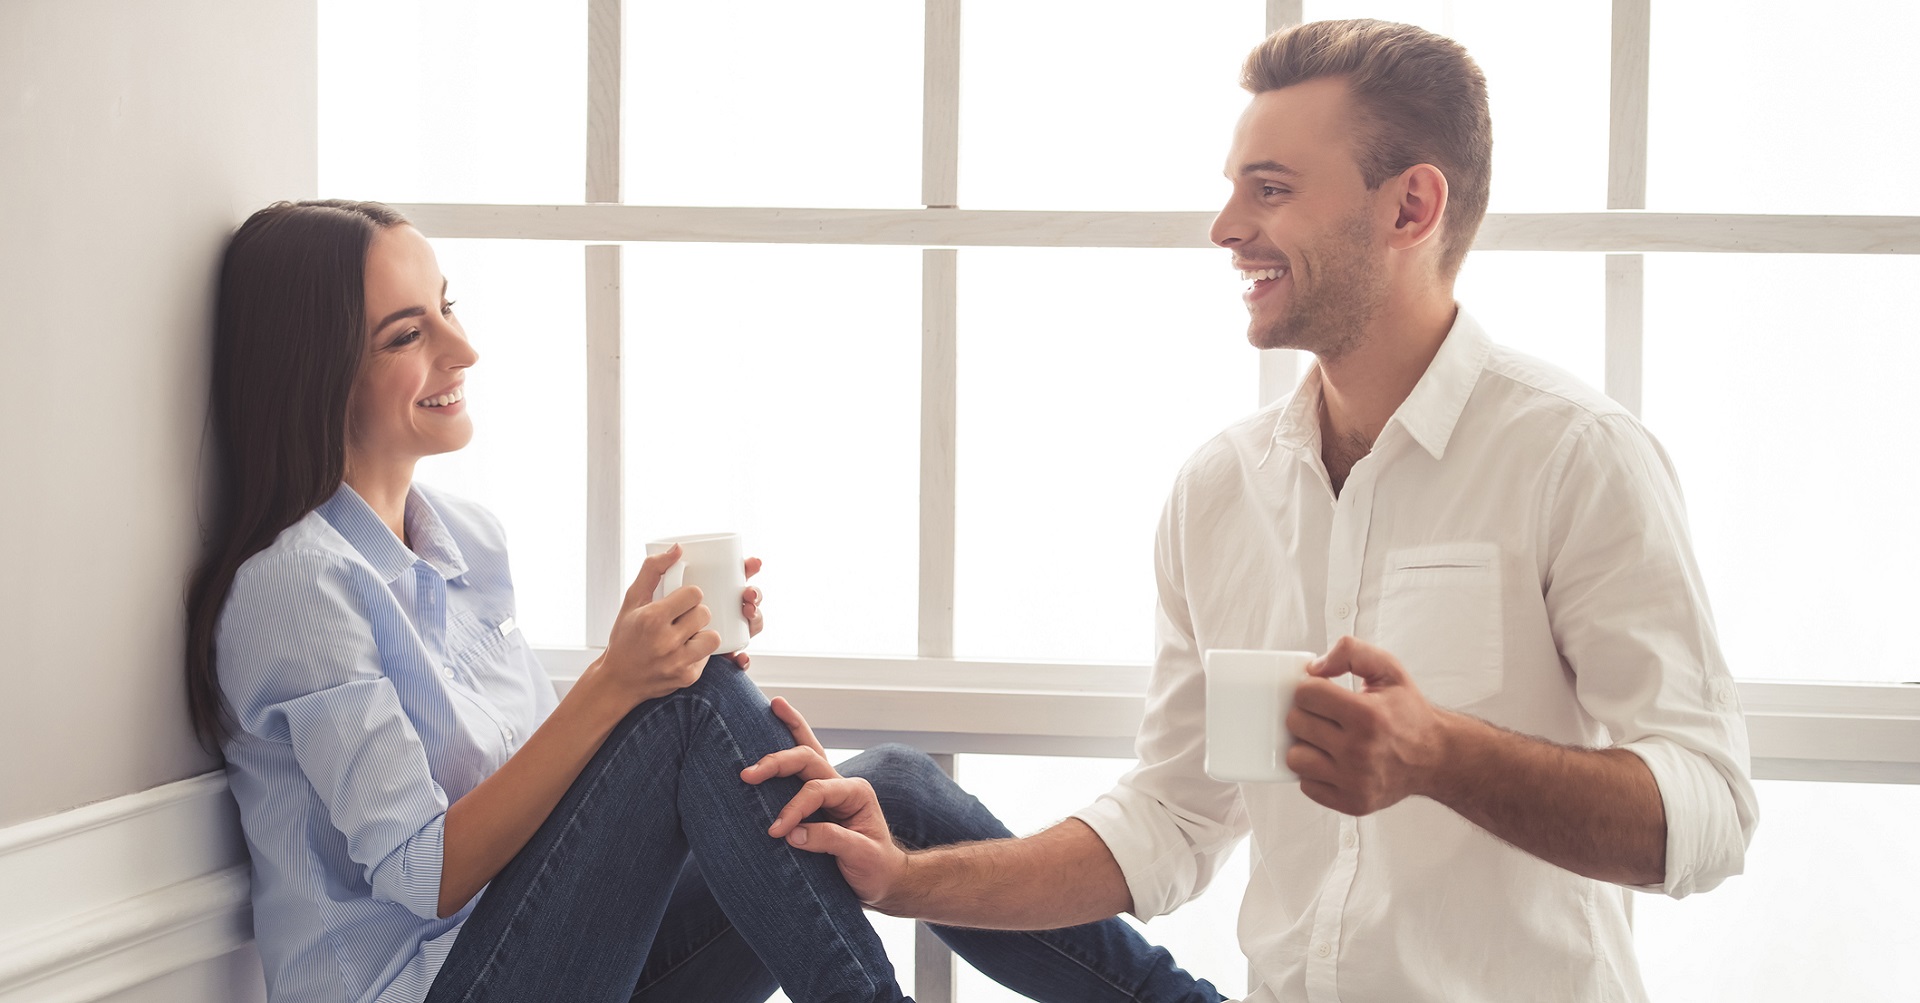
1422	192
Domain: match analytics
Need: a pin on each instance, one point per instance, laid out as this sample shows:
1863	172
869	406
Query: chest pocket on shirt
473	641
1440	615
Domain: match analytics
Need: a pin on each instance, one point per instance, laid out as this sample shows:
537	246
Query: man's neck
1361	388
384	488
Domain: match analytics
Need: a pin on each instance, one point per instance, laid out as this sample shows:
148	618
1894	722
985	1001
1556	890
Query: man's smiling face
1301	224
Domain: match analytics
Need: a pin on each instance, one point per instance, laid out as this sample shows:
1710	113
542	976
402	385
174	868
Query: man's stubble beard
1349	289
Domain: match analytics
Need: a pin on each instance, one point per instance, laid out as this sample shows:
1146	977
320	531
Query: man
1494	557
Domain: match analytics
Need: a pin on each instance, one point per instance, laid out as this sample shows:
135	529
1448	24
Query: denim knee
896	771
723	684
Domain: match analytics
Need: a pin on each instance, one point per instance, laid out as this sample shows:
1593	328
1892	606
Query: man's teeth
1264	273
444	399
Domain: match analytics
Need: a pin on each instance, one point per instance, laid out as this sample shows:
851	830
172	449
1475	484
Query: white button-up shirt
1518	541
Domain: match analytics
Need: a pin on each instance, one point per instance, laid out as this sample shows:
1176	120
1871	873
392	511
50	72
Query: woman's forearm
487	827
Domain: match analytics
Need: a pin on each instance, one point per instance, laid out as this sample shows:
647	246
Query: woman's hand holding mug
657	646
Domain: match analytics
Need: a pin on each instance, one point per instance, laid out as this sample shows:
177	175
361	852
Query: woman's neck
384	488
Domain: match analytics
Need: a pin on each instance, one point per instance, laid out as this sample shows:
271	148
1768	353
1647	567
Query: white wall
133	137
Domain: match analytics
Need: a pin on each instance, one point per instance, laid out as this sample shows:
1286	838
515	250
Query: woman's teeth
444	399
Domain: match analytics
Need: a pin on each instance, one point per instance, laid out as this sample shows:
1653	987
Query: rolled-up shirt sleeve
299	665
1168	825
1630	616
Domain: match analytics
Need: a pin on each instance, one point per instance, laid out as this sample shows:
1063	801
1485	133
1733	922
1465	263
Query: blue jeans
654	879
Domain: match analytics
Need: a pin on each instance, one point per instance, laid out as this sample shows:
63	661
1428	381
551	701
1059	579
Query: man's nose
1228	229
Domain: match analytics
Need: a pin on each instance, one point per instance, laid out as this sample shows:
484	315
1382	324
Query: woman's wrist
599	696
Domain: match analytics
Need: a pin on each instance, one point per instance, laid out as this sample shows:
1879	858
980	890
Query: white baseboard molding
108	896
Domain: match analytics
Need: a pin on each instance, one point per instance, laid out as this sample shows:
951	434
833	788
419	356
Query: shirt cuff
410	876
1153	864
1706	835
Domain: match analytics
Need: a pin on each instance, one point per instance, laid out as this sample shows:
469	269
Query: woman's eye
411	336
446	309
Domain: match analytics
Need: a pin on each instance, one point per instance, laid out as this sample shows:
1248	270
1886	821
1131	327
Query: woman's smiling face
409	400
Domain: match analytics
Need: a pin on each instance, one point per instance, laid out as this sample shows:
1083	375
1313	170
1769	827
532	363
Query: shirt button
1323	949
450	672
1347	840
1343	611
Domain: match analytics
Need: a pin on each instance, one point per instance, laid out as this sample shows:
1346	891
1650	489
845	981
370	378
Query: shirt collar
353	518
1430	411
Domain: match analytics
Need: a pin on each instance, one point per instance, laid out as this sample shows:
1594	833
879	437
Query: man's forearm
1062	876
1596	812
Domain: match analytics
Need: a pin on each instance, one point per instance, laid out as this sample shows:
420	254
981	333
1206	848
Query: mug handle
671	579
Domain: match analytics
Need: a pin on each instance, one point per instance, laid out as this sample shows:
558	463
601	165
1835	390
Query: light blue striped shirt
374	685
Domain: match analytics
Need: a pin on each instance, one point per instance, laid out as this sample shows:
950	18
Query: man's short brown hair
1421	100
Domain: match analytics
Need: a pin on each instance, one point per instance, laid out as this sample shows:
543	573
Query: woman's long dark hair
289	333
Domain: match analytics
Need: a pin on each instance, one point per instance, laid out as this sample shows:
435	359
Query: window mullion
1627	189
934	970
606	508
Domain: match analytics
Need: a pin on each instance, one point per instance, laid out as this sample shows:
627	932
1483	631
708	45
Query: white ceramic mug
1248	696
716	563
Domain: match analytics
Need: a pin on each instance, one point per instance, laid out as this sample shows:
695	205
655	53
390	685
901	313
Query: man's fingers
1309	727
846	798
1374	665
1325	699
802	732
801	761
1311	762
838	840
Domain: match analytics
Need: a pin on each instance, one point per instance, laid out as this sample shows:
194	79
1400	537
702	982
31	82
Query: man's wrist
1456	756
904	897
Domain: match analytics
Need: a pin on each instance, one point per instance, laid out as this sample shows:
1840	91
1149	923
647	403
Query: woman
426	820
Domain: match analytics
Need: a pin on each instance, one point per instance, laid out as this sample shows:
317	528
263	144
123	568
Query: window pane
774	391
772	103
1029	793
437	101
1780	384
1825	911
1098	104
521	304
1550	305
1548	101
1087	377
1758	107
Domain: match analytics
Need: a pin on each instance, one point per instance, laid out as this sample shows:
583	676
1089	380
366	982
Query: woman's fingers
753	566
750	601
802	732
651	571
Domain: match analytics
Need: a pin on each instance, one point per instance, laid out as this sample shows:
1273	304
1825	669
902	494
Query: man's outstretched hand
857	834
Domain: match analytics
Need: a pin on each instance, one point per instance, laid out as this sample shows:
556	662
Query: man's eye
1269	191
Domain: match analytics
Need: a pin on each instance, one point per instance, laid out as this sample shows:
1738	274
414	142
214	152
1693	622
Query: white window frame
1799	731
